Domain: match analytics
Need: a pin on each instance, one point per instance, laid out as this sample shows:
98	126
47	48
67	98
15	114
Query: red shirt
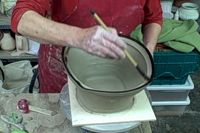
152	9
124	15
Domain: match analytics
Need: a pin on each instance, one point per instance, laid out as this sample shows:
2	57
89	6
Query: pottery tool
18	131
24	107
128	55
11	120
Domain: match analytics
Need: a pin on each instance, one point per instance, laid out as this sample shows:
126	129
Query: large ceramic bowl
105	85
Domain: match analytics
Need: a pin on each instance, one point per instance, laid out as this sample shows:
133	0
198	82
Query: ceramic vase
7	42
189	11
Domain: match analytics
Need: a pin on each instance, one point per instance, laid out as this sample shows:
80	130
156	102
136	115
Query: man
72	25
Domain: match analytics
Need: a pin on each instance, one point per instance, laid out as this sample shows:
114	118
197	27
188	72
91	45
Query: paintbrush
128	55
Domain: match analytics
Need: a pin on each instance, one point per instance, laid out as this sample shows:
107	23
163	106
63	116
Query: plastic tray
170	80
171	92
171	107
174	70
174	65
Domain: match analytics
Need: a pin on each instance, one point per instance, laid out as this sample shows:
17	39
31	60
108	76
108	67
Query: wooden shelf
6	55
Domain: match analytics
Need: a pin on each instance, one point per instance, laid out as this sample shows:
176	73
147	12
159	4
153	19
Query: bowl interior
100	74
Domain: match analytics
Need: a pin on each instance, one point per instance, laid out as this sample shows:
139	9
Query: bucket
105	85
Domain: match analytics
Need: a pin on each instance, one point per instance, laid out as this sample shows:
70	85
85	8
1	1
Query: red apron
124	15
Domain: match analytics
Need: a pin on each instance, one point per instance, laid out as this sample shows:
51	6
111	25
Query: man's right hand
98	41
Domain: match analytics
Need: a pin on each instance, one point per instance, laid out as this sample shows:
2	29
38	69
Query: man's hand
97	41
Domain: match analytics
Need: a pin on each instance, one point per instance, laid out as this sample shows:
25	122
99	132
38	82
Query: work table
39	123
35	122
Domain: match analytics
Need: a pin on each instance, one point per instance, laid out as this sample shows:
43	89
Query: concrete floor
189	122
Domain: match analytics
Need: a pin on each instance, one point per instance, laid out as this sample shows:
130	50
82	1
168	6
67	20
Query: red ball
23	106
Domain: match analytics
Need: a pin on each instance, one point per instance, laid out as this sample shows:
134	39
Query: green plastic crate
176	57
173	67
175	70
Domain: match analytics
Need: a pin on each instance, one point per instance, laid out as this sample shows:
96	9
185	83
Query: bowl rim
190	4
109	92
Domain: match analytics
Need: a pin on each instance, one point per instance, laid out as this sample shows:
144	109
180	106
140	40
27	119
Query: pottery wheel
117	127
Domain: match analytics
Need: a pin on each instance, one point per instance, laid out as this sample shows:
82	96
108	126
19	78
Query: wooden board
141	111
6	55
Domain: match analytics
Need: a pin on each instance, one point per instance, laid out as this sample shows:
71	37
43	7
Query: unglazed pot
22	44
189	11
105	85
7	42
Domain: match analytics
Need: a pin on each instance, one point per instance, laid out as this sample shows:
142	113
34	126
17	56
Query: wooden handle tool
42	111
24	107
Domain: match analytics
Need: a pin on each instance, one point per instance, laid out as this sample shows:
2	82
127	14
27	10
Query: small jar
189	11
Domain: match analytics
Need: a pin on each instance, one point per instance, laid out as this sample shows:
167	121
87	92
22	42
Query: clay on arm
29	20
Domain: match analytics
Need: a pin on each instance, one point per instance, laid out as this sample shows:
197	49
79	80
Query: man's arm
35	26
151	33
28	20
152	23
